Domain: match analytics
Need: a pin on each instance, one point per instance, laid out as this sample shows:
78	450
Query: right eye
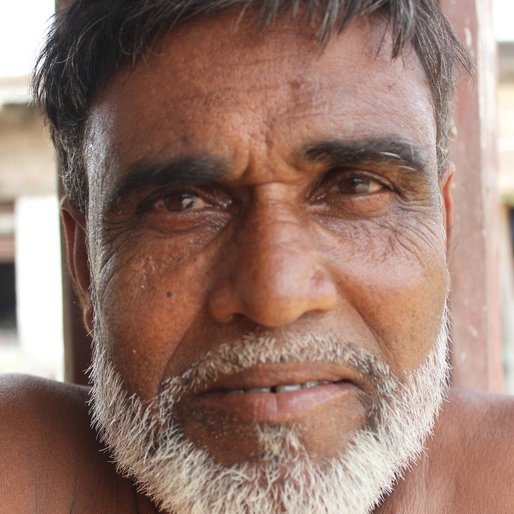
185	209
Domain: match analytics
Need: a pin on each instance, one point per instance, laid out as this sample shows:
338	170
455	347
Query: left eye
181	201
356	186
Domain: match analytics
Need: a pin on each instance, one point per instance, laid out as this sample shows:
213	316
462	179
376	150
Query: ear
74	224
445	185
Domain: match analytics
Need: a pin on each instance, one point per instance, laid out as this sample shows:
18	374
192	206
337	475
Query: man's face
248	187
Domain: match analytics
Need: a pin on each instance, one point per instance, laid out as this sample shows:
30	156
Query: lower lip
273	407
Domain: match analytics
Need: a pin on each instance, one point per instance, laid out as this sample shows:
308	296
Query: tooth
308	385
236	391
258	390
287	388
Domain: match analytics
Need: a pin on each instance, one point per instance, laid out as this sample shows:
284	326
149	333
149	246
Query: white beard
181	478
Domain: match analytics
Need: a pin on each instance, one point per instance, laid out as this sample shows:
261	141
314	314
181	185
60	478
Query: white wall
38	285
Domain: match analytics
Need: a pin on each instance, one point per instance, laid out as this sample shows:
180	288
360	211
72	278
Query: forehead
234	91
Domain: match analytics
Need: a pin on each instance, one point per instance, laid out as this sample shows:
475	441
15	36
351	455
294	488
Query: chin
279	471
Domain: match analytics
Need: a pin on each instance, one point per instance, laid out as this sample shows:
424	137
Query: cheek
394	275
148	295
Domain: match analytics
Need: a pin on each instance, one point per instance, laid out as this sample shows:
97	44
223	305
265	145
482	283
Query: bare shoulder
34	407
51	461
21	391
485	419
36	411
37	435
475	437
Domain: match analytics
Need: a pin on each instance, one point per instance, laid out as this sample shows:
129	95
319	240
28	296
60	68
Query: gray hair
94	39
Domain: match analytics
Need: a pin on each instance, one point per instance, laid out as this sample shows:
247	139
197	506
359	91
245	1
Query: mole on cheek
169	294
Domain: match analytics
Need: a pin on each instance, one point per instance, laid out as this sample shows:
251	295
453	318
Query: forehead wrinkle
295	84
252	48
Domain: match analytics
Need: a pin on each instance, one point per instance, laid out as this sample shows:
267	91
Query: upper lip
267	376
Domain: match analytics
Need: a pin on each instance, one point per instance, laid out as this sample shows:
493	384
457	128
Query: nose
271	272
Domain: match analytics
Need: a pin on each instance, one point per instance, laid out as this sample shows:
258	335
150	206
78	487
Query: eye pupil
188	201
181	201
355	185
360	185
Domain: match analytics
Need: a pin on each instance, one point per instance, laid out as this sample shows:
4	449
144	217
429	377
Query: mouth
277	394
283	388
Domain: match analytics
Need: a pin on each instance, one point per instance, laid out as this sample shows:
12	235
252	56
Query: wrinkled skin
277	241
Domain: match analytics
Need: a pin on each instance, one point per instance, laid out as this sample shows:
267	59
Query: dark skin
238	184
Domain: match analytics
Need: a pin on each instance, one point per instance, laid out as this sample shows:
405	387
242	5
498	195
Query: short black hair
92	40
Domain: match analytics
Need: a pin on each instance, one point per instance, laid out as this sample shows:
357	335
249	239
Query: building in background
30	275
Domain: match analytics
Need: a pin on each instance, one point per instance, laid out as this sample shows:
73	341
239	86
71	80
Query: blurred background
31	305
31	339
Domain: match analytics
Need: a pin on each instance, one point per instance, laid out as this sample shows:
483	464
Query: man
257	214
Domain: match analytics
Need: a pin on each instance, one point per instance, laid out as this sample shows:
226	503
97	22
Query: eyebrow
337	152
202	169
191	170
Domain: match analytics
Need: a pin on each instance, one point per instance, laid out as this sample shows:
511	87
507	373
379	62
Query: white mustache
254	350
